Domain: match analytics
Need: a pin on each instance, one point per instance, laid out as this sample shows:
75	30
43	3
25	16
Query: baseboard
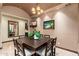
67	49
7	41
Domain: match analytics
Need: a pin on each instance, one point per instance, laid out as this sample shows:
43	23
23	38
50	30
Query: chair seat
28	52
42	51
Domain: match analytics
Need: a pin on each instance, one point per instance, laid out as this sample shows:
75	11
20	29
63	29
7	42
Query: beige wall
4	25
66	26
14	14
0	25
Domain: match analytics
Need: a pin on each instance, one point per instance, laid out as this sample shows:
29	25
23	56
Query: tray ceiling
28	6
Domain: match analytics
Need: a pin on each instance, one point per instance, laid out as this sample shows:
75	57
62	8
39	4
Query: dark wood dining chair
53	48
16	37
42	35
47	36
18	49
46	50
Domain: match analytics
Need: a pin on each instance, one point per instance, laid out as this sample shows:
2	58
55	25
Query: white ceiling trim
10	15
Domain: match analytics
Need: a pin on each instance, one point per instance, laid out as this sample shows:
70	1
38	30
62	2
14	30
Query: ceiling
28	6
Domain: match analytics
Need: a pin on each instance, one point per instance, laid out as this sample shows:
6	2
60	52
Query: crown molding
10	15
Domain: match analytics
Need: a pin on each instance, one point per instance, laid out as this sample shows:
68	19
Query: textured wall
66	26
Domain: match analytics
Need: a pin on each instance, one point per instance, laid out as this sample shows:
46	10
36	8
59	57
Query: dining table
33	44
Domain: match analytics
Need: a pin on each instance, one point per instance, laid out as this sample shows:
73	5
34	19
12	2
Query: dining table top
33	43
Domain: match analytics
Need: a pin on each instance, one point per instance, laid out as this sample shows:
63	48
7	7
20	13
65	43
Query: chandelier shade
34	12
37	10
33	9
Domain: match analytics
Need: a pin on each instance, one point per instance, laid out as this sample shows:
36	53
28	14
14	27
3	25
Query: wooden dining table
33	44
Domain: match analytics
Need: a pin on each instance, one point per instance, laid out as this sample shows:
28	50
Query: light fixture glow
38	13
34	12
38	8
42	11
33	9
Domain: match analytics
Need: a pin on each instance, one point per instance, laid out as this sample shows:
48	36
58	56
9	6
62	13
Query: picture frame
13	28
50	24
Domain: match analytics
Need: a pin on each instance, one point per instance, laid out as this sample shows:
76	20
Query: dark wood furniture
48	48
48	36
15	47
18	49
53	49
42	35
32	43
45	51
21	36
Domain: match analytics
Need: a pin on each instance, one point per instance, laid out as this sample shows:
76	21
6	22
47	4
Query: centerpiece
35	34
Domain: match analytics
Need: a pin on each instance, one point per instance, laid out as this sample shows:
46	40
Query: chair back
19	47
21	36
48	48
53	47
42	36
15	42
47	36
54	41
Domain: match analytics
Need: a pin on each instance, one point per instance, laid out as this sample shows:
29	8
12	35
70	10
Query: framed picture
50	24
13	28
33	24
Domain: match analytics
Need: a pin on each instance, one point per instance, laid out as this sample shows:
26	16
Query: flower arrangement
35	34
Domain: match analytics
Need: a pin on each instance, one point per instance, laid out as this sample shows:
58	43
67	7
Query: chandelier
37	10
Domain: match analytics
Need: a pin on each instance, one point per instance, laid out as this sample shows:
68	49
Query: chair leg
15	52
54	52
51	52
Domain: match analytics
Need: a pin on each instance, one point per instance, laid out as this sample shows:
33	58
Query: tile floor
8	50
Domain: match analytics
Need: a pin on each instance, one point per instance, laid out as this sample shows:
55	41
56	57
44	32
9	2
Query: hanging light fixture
33	9
41	10
37	10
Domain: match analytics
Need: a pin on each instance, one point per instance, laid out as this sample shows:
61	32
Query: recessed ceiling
28	6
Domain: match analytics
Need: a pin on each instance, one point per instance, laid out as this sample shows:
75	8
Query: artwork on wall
50	24
13	28
33	24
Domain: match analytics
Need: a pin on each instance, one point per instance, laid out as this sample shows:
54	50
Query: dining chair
20	50
47	36
53	48
46	50
15	47
42	35
28	52
16	37
21	36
